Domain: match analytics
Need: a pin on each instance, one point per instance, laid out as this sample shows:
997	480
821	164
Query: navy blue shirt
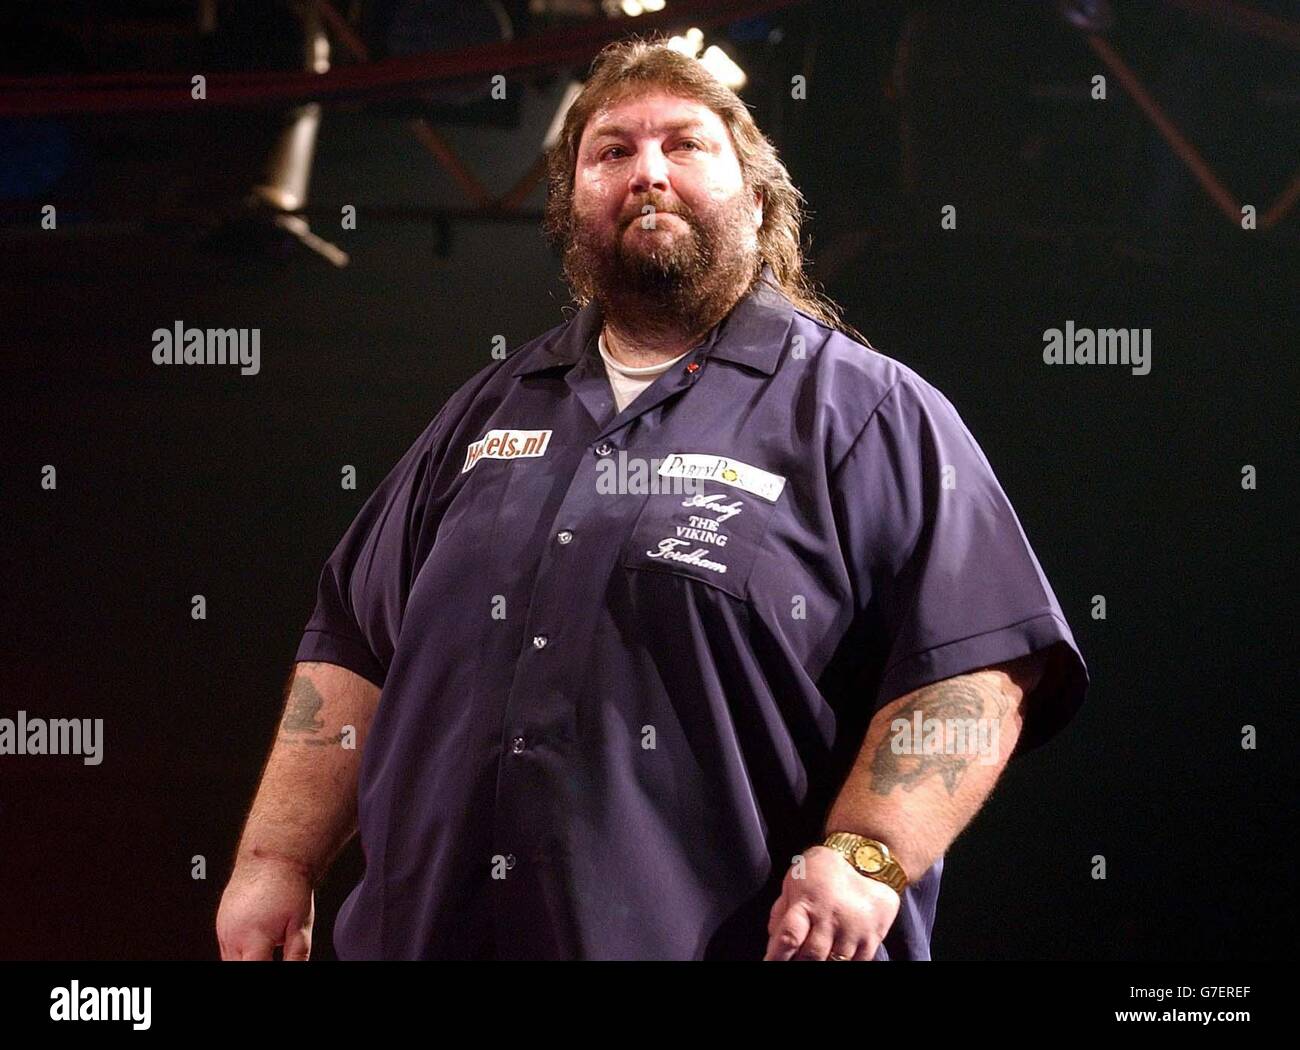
627	658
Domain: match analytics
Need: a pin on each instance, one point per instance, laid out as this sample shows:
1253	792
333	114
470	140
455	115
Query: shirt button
539	641
510	861
604	448
564	536
517	745
693	368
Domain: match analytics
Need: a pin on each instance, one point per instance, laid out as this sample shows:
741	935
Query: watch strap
891	873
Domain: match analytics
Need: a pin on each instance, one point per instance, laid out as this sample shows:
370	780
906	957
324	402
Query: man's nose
650	170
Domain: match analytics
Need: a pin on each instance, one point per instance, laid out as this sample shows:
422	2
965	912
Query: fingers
260	912
793	934
788	935
778	909
253	947
297	945
816	946
257	947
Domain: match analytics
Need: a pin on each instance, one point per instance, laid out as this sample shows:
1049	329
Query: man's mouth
644	220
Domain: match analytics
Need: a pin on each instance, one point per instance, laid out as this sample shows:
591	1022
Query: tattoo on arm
963	699
300	725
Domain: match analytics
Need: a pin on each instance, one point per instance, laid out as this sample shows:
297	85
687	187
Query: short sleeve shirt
627	658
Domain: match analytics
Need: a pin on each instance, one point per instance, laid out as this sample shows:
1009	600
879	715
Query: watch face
869	858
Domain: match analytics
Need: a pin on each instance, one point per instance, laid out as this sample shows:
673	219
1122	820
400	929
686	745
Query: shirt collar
752	334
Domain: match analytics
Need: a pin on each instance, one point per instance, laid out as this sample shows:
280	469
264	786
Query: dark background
181	481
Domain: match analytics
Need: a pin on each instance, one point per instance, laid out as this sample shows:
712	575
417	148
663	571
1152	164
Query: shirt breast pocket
714	535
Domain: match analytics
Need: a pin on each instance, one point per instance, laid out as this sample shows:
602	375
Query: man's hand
832	910
304	813
267	903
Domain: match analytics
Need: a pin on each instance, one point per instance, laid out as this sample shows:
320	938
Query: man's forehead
657	111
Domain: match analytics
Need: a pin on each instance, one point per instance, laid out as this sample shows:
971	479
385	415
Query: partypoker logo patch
726	470
507	444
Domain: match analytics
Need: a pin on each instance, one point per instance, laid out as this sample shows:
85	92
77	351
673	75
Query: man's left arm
929	761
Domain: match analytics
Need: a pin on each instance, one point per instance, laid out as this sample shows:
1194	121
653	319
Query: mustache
638	214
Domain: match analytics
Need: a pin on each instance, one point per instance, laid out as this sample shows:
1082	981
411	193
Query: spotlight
714	59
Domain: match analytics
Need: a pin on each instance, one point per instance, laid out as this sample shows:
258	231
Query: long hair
638	66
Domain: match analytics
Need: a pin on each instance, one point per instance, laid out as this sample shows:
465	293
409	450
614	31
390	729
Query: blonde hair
631	67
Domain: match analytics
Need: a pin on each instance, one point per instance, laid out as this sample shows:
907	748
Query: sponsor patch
507	444
725	470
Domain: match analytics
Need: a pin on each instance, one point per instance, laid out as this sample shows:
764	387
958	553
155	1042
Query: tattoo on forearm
300	725
955	699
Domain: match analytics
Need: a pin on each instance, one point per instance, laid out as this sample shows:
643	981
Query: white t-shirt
629	382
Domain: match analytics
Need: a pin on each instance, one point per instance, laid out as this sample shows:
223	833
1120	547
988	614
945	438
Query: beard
684	275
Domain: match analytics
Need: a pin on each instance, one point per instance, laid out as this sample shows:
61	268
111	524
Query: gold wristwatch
870	857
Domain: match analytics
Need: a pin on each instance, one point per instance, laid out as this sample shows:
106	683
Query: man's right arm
304	813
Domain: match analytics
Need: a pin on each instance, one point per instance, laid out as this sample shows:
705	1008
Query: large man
693	629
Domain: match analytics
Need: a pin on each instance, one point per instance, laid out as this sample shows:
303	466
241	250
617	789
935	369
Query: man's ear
758	207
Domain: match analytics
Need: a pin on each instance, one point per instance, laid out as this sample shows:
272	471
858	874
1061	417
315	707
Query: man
694	629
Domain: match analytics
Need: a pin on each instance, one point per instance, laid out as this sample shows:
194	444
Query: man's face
660	208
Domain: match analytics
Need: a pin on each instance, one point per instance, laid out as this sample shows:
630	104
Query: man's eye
605	153
691	142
